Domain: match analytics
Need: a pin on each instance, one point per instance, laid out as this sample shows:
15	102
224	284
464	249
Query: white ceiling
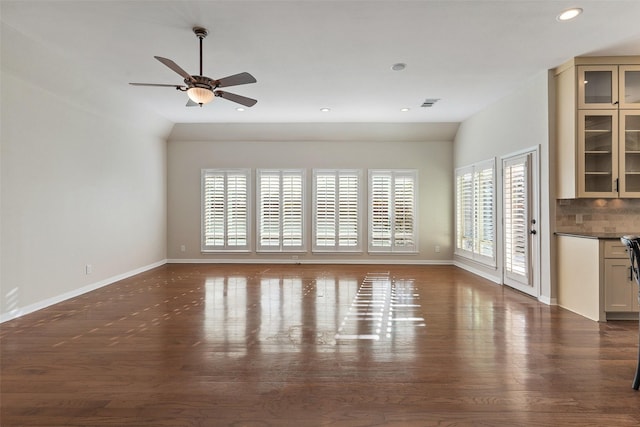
312	54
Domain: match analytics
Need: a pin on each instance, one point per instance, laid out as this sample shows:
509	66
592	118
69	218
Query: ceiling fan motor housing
200	32
201	81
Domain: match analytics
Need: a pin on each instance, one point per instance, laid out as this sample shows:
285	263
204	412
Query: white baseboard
547	300
308	261
496	279
477	272
15	313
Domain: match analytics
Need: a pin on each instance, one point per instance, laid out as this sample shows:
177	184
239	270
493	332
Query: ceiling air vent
429	102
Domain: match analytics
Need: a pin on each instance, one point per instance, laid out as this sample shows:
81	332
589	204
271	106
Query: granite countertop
597	235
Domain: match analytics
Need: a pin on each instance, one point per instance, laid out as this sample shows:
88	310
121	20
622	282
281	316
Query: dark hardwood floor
292	345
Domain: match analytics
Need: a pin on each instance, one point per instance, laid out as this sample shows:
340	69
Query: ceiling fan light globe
200	95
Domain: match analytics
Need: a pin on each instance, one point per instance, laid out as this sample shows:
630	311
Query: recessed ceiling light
404	110
569	14
325	110
240	109
399	66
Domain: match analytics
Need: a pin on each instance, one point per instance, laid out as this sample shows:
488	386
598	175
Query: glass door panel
598	153
519	207
630	86
597	87
630	153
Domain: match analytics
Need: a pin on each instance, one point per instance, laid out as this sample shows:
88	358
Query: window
516	216
475	212
393	211
225	209
336	210
464	209
280	219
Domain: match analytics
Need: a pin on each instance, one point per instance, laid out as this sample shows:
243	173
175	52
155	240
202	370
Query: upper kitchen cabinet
629	157
608	87
597	87
598	127
629	86
598	153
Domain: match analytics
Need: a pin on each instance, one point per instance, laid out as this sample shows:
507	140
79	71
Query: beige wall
186	158
517	122
81	184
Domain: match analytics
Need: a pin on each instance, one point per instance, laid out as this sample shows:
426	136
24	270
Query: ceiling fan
202	89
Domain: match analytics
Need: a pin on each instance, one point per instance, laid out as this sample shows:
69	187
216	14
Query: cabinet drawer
615	249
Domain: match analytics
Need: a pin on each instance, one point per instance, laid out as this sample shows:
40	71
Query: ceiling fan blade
191	103
236	79
243	100
175	67
155	84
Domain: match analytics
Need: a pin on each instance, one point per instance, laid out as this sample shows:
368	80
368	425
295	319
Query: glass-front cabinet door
630	153
629	86
598	86
598	153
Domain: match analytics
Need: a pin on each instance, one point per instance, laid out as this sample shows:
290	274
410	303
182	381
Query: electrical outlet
88	269
183	248
578	218
437	249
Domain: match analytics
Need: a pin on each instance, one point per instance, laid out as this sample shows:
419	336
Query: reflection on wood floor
292	345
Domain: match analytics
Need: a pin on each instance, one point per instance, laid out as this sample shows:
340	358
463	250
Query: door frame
534	289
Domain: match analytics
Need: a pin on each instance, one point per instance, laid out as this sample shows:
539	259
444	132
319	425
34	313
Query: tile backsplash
598	215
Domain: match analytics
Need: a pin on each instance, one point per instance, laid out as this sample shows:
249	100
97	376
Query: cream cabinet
620	290
593	278
598	128
608	86
598	153
629	154
609	153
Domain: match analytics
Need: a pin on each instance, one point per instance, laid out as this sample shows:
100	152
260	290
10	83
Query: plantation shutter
292	214
393	211
516	218
404	197
269	206
465	211
325	210
336	210
225	216
280	210
348	210
380	187
484	228
475	212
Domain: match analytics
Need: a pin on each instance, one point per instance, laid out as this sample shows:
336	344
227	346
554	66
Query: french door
520	201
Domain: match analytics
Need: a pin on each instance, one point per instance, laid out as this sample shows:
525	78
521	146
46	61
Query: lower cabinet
620	290
594	278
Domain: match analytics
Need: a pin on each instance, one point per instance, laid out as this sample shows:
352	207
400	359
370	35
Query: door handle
533	232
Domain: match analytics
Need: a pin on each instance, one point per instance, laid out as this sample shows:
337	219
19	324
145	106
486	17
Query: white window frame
464	211
396	244
245	203
339	219
280	213
470	239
